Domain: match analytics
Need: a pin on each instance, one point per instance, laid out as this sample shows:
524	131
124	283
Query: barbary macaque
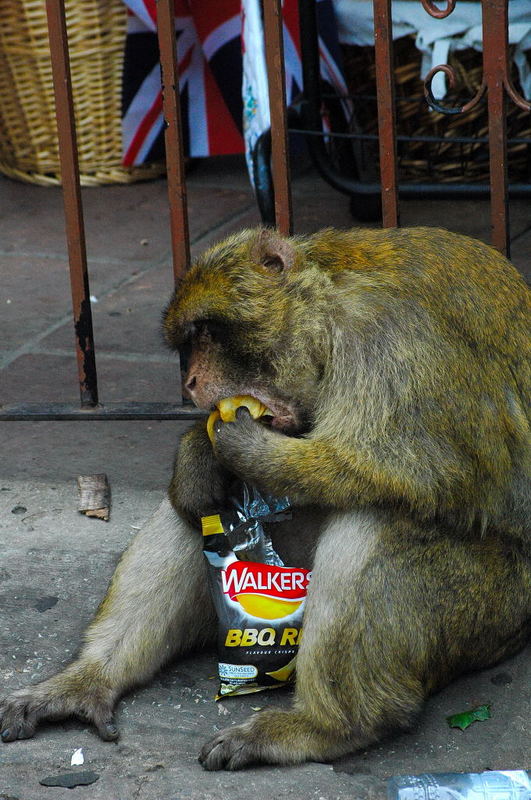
396	367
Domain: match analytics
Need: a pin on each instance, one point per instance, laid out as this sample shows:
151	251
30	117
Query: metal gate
496	85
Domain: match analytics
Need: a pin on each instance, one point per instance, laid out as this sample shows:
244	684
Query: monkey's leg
390	616
157	606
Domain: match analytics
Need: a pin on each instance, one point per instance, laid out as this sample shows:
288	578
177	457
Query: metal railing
496	84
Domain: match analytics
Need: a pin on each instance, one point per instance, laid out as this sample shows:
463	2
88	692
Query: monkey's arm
199	483
326	472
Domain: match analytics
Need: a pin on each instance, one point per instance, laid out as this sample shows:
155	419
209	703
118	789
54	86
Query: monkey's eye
185	348
214	329
185	340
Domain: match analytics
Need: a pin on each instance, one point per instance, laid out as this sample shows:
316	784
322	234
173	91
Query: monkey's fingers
231	408
239	445
218	423
229	749
107	730
21	711
17	721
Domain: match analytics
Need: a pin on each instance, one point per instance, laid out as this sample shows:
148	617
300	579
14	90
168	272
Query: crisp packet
258	600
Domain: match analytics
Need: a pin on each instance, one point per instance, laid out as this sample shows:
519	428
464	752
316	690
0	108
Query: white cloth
255	92
436	38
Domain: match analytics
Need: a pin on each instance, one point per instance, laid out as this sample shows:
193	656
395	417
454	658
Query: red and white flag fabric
222	77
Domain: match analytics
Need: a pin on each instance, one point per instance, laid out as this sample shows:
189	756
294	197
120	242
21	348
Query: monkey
396	367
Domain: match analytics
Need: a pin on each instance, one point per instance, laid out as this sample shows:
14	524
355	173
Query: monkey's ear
273	251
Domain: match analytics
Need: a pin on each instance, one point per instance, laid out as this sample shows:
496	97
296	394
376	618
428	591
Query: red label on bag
264	590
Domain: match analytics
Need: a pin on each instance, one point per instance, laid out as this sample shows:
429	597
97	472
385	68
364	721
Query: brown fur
405	352
396	366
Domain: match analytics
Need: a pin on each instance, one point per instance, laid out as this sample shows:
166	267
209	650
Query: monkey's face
232	320
217	367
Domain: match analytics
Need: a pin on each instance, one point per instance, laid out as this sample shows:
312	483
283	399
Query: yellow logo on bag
264	590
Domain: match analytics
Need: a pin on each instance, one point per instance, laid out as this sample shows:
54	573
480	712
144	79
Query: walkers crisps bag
258	600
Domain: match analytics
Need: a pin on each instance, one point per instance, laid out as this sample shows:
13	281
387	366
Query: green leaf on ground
466	718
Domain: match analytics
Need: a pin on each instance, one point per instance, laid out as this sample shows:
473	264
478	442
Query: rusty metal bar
180	236
385	90
495	70
75	231
274	52
21	412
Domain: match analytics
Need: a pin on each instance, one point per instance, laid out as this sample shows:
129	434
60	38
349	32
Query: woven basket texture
28	130
444	161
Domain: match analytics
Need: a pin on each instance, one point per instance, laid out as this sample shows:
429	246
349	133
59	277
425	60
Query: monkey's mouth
280	415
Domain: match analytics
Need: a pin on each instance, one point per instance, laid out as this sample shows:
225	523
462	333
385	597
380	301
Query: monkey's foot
272	737
69	694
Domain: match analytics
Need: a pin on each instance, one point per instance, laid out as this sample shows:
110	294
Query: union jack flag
210	42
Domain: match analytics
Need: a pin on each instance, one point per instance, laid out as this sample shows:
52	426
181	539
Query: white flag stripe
149	139
225	32
141	103
197	112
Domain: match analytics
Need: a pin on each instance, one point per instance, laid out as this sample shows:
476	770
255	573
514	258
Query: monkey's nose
190	384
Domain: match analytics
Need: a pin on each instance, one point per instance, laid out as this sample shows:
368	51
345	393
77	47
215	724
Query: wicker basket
442	161
28	132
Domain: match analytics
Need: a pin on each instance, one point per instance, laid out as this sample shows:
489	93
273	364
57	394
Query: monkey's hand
247	447
313	470
71	693
200	482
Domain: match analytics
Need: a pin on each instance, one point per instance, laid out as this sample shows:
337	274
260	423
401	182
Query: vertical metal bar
274	52
309	36
180	237
385	91
495	68
75	231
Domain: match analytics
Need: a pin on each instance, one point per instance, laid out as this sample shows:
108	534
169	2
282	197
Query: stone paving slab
35	294
126	319
136	216
54	379
134	453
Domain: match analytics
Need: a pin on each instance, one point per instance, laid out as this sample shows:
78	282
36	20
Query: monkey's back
472	292
438	325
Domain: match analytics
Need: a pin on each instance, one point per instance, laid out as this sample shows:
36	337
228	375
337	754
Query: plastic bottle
506	785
